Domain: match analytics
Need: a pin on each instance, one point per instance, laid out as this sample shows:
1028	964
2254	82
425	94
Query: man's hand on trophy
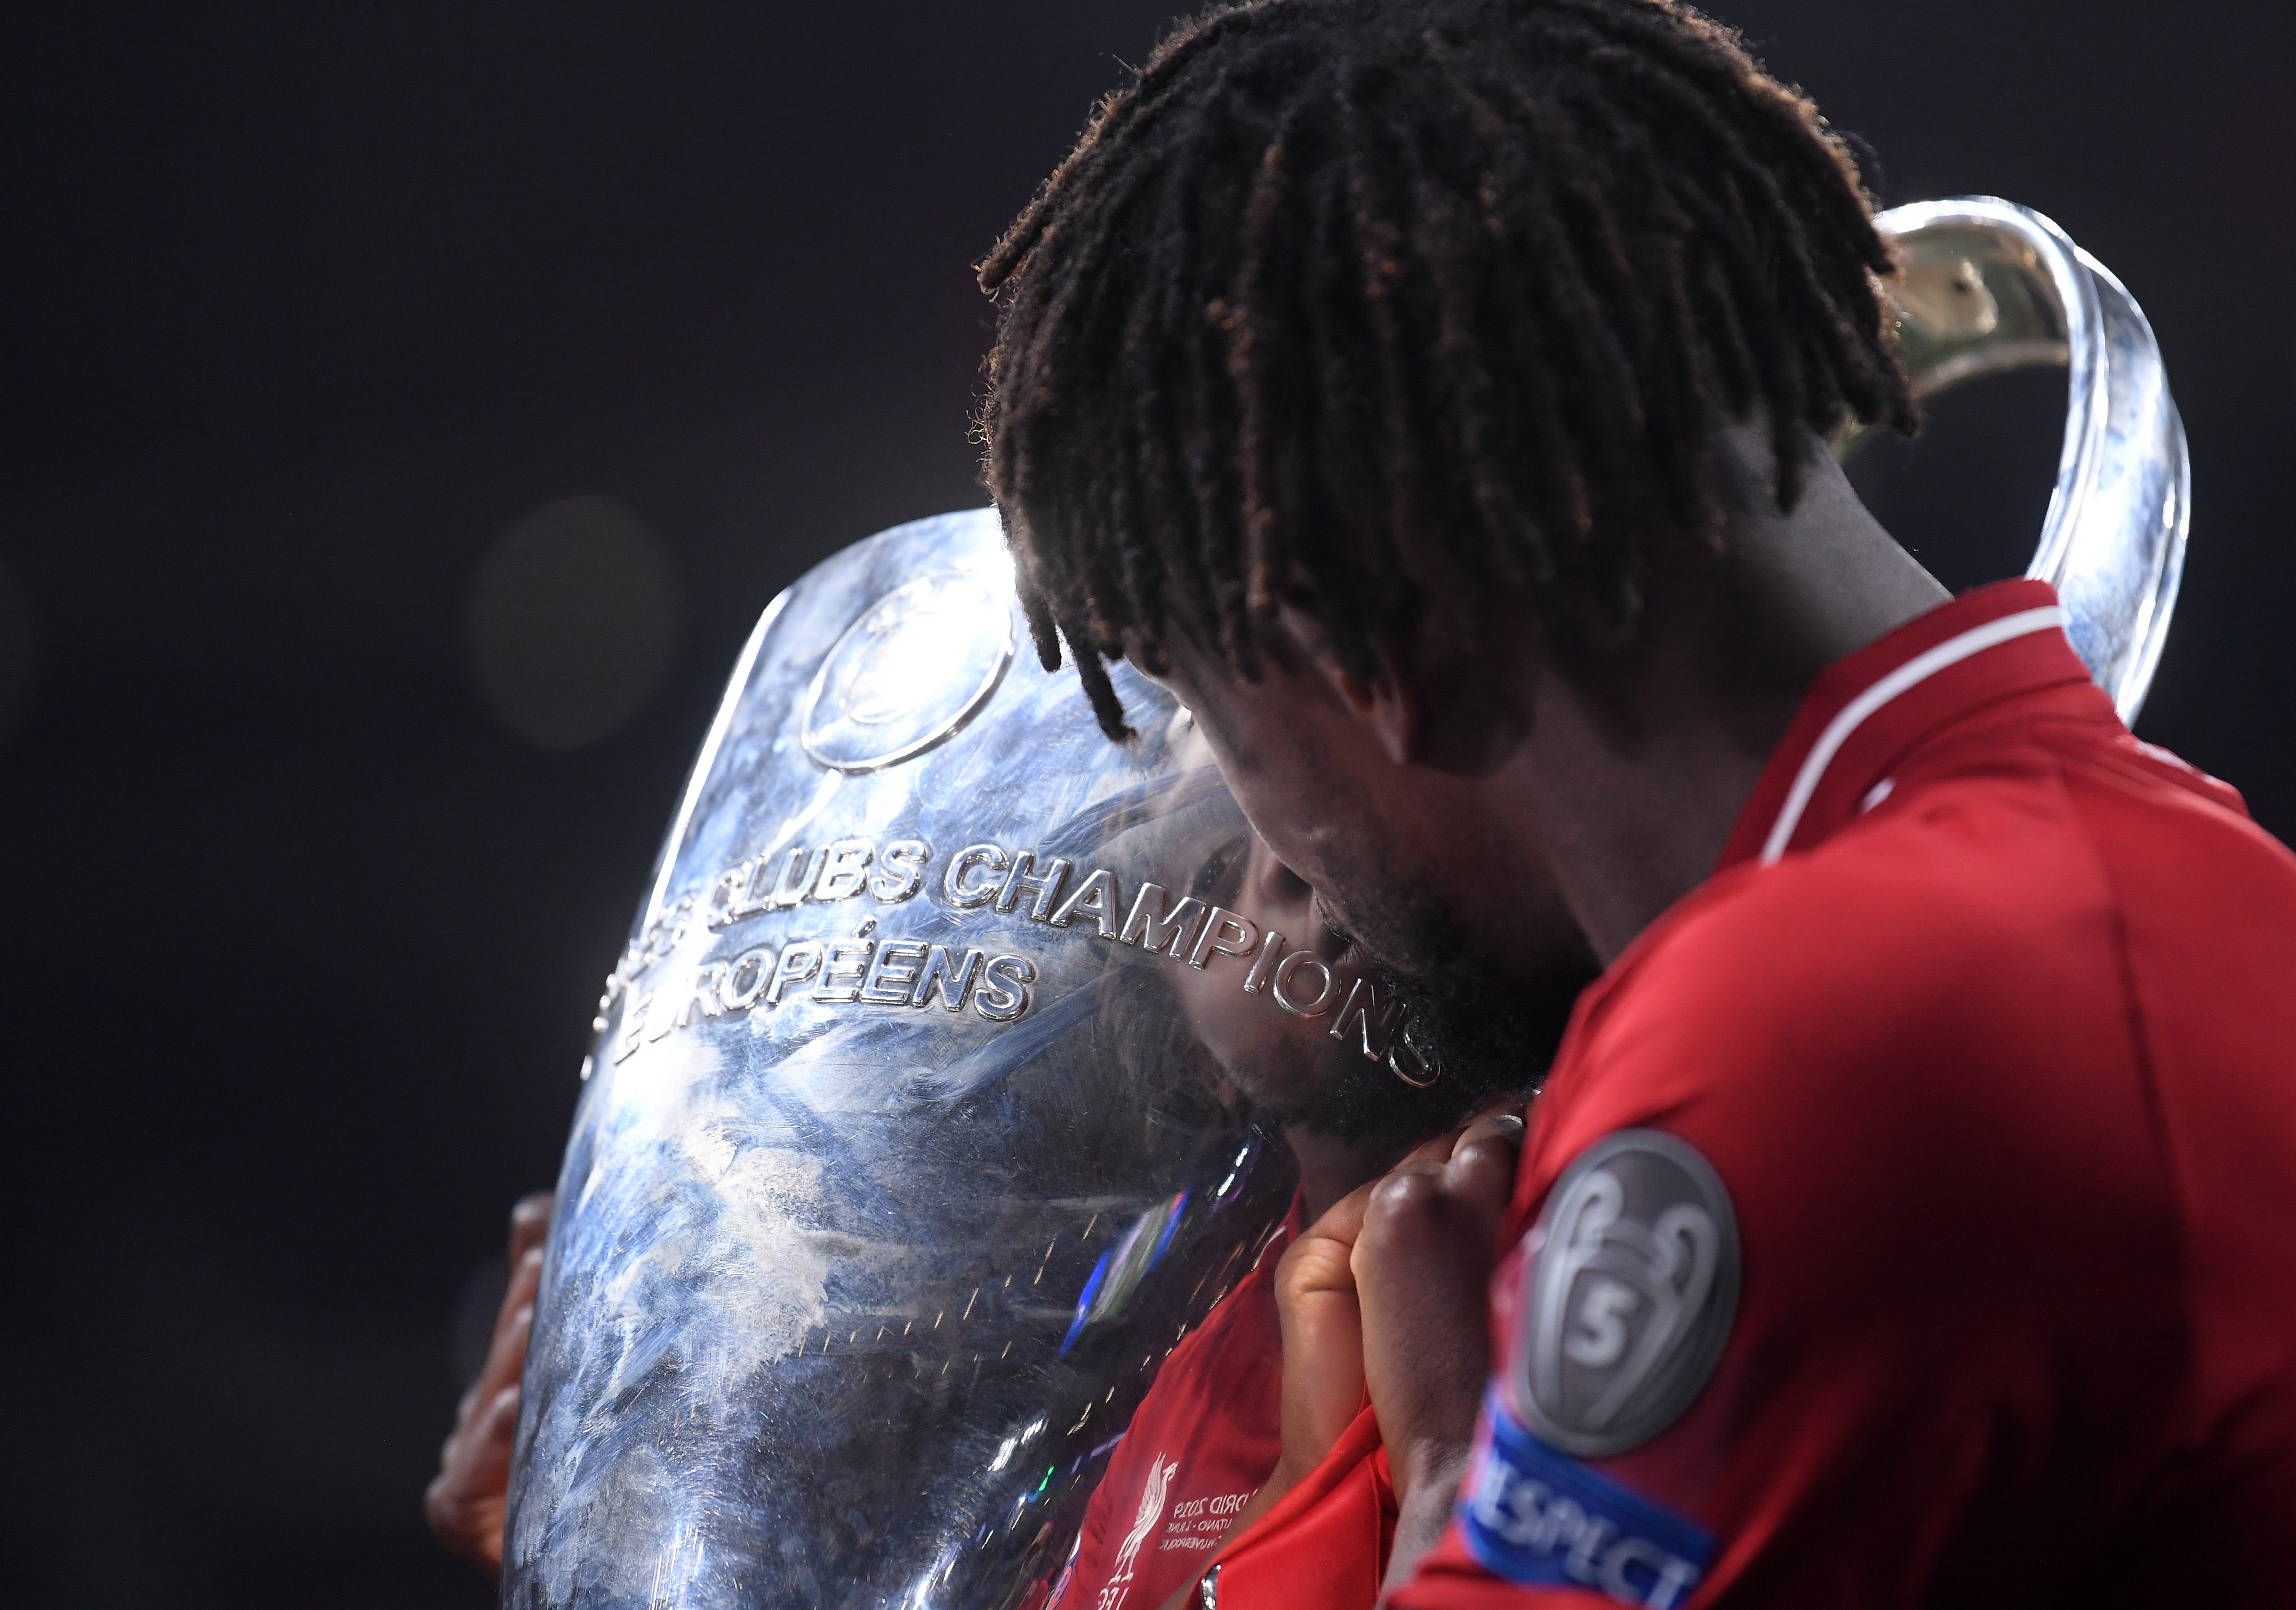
464	1502
1389	1285
1323	1339
1421	1264
1387	1290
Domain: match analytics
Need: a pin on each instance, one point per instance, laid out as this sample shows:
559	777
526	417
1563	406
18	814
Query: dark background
314	314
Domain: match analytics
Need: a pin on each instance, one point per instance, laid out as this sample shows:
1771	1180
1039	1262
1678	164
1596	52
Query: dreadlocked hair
1404	301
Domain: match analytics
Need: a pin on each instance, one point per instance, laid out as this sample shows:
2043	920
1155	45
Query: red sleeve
1325	1545
1867	1370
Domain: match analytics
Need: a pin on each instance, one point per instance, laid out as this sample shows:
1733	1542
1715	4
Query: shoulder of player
1839	1033
1903	942
2149	813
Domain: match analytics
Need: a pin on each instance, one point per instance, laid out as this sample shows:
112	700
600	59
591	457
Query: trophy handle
1988	286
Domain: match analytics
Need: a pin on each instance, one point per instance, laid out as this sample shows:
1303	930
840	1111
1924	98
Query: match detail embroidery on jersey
1914	672
1541	1518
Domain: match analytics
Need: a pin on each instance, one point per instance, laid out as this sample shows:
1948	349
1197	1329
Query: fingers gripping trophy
962	1063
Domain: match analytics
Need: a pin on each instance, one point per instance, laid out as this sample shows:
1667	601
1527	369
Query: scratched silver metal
865	1251
1991	285
845	1299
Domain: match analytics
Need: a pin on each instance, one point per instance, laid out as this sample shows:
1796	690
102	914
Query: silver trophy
1988	286
930	1101
921	1123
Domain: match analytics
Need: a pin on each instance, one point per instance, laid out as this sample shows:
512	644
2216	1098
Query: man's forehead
1217	705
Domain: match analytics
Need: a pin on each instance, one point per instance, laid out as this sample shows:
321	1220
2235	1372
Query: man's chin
1494	1029
1493	1038
1493	1013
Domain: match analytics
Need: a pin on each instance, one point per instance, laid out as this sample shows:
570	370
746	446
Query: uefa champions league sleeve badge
1628	1297
1628	1293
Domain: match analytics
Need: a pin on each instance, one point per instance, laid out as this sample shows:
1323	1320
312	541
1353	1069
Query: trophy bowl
911	1143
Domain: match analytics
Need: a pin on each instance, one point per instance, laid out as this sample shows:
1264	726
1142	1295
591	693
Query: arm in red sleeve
1836	1200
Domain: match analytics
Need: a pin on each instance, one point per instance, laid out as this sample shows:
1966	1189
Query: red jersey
1910	1218
1202	1441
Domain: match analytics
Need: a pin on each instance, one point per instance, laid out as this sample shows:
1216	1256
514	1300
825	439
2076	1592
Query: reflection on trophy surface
936	1099
963	1063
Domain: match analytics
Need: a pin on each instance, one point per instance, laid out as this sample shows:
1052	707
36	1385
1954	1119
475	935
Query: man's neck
1637	788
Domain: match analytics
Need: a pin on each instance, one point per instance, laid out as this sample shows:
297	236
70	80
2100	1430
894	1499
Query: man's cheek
1280	820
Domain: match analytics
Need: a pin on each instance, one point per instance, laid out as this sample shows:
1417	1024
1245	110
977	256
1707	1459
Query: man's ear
1388	707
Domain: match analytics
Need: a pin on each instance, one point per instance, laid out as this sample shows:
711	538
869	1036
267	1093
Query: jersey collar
1865	712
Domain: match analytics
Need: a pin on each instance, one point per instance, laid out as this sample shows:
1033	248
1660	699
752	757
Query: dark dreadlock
1410	300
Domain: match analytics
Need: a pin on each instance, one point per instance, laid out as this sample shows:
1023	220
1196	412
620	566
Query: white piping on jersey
1918	670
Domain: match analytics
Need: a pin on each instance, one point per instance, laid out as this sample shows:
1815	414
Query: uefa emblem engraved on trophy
1628	1294
917	665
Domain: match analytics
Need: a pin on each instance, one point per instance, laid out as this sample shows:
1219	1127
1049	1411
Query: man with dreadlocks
1434	395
